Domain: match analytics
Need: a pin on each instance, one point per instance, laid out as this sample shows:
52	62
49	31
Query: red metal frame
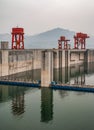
17	38
65	41
80	40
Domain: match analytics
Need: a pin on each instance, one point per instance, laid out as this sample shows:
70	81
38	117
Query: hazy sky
40	15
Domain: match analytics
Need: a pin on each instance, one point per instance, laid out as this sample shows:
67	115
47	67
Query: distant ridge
57	30
47	39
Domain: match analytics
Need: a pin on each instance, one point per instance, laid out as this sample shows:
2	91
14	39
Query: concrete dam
13	62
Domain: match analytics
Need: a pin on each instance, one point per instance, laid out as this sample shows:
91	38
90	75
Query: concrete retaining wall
15	61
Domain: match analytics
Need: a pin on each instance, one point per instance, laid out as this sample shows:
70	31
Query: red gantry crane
80	40
17	38
65	41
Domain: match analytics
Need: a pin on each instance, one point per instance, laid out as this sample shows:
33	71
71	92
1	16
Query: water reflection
46	105
46	108
62	93
18	107
80	80
4	93
75	74
16	96
29	76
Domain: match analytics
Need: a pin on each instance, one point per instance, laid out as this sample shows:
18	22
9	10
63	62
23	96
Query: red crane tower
65	41
80	40
17	38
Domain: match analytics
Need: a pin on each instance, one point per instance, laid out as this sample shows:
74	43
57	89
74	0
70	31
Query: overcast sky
40	15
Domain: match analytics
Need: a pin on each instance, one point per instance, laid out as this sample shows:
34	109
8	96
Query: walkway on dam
70	87
73	87
20	83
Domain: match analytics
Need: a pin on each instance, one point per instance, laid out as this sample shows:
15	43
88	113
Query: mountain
48	39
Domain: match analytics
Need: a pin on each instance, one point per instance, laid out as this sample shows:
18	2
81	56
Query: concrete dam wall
16	61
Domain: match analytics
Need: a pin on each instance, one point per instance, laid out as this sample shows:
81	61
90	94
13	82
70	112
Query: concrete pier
46	68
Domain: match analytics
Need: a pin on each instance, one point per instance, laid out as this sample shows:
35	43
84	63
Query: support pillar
63	58
4	62
47	68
